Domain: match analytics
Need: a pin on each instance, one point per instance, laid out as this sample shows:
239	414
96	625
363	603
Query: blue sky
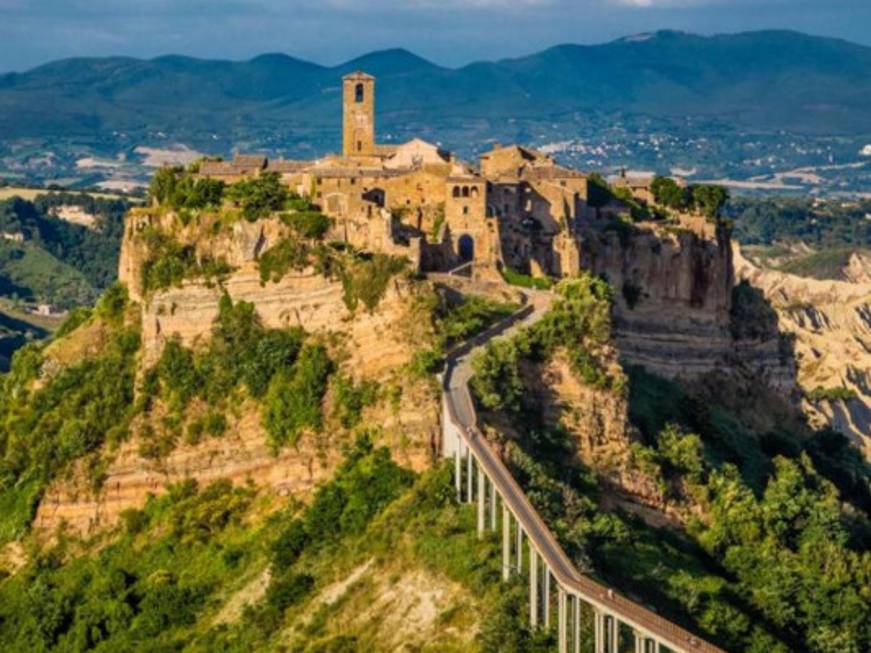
449	32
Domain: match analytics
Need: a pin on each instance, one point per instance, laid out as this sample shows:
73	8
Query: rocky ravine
831	322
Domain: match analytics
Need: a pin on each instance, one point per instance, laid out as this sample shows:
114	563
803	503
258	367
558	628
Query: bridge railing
611	609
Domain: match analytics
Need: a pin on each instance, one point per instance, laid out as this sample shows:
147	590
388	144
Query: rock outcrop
673	303
830	322
372	345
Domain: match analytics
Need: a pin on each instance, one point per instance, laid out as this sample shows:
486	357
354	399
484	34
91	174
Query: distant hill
59	263
764	80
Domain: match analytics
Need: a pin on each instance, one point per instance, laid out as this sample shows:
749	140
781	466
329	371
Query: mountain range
757	80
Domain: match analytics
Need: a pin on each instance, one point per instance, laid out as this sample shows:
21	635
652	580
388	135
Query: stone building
518	209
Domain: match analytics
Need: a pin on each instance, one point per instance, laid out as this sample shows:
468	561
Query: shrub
831	394
307	224
259	196
365	280
287	590
287	254
169	263
349	399
293	400
631	293
667	192
289	545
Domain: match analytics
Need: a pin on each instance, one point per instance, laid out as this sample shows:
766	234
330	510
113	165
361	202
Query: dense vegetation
761	563
158	583
578	324
706	199
68	416
59	262
282	368
821	225
772	506
170	262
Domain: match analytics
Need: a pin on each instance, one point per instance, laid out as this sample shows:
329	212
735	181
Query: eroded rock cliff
373	345
830	322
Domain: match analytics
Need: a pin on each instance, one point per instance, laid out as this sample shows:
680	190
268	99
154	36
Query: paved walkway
456	379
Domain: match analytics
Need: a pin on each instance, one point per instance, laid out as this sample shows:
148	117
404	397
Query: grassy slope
32	270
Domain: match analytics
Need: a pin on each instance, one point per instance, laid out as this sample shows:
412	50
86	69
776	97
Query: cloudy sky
449	32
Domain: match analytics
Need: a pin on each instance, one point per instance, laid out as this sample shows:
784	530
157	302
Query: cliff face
372	346
673	302
831	325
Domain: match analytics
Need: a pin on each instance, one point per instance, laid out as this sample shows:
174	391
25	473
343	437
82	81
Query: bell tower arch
358	115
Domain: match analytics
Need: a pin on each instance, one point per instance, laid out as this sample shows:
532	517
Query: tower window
359	146
358	93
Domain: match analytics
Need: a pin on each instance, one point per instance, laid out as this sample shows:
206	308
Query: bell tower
358	120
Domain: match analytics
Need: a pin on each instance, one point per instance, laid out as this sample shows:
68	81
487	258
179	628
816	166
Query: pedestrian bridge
528	546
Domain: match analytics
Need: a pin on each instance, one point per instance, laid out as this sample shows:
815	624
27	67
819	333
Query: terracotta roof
287	165
219	168
332	173
255	161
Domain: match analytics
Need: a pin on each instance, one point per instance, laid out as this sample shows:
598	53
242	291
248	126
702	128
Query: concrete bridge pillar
546	596
576	625
482	490
533	586
644	644
506	542
469	477
493	497
458	474
613	630
599	632
562	619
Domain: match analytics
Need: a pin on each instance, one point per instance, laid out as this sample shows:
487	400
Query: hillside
746	78
238	449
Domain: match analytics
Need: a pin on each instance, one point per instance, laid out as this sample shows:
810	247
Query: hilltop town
518	210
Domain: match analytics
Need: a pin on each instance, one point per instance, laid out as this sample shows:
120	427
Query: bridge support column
493	498
519	548
546	597
599	632
458	472
642	643
533	586
506	542
614	630
482	491
562	619
576	625
469	478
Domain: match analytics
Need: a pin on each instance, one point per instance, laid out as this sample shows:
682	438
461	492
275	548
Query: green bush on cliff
365	279
171	187
259	196
70	414
241	352
578	324
293	402
169	263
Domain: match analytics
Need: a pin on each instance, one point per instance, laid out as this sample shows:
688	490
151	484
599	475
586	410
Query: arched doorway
466	247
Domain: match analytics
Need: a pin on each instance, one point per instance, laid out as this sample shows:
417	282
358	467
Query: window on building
358	93
359	146
465	191
465	210
456	191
